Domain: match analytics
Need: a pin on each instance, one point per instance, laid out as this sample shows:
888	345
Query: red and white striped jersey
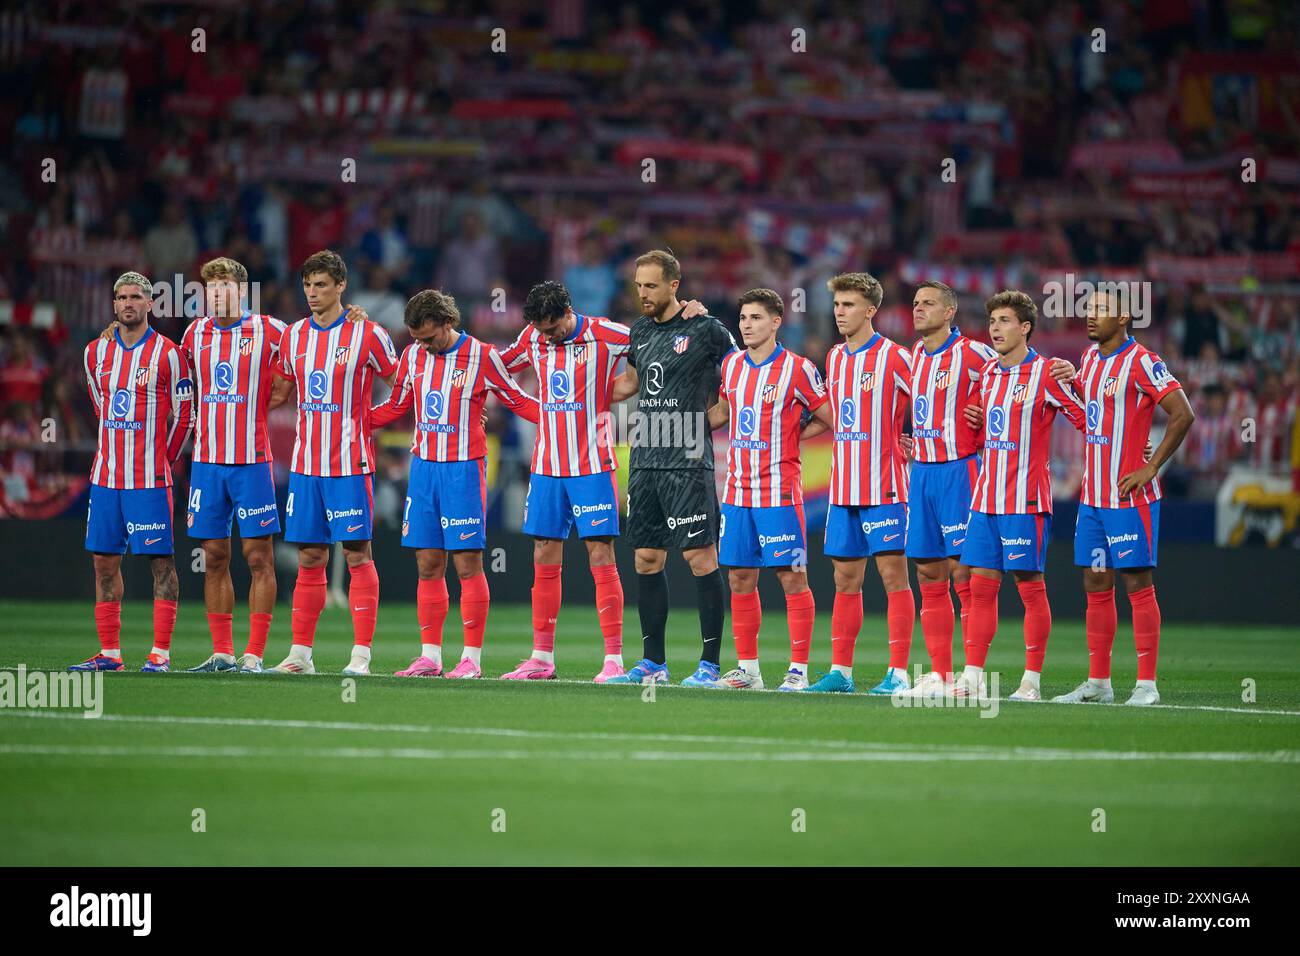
334	369
766	403
575	381
868	394
1019	405
1120	394
232	367
448	390
943	383
135	392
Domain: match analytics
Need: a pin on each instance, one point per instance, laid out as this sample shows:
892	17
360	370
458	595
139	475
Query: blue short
555	505
938	497
219	492
861	531
762	537
1007	542
140	517
445	505
326	510
1117	537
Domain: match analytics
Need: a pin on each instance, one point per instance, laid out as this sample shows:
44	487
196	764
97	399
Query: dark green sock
652	604
710	592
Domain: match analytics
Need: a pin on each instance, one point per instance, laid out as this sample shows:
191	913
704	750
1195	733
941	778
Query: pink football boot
531	669
609	670
421	667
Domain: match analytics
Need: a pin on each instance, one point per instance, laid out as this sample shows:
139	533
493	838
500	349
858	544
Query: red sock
937	622
1038	622
963	599
222	627
164	622
474	601
308	601
609	606
1146	630
800	614
259	625
546	605
108	624
746	618
1100	623
431	603
363	596
846	622
901	615
977	635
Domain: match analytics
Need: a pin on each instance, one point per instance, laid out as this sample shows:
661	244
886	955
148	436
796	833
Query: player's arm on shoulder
92	385
692	308
356	313
1061	370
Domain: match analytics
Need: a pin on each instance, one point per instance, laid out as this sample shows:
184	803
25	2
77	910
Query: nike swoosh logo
1143	653
467	535
267	522
469	623
777	554
709	639
149	541
1013	557
956	541
353	527
694	533
890	537
607	607
798	643
596	521
641	346
366	608
1125	554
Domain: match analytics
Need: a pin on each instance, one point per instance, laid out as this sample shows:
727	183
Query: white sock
161	652
750	667
801	668
1147	683
300	651
115	653
473	653
223	657
1031	678
432	651
614	659
970	670
361	651
546	657
1103	682
845	669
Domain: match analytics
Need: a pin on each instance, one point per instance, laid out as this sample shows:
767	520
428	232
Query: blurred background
790	141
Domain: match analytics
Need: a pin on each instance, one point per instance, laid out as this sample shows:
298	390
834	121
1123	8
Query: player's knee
793	582
600	552
469	564
932	572
216	555
1137	580
260	558
742	580
649	561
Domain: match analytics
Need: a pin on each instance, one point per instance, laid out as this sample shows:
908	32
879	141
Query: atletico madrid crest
680	342
769	394
341	354
867	381
941	379
1018	394
246	347
458	378
579	354
142	377
1111	383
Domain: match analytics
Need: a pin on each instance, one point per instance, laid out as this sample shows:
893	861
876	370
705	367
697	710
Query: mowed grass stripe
900	755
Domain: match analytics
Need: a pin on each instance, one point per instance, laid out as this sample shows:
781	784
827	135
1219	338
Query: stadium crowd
989	144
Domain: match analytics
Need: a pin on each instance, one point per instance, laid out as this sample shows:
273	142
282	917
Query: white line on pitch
1011	755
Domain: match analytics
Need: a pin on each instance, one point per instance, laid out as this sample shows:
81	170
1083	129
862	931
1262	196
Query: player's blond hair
863	283
223	267
134	278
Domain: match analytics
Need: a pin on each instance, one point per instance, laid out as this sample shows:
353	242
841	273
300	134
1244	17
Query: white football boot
741	680
1144	695
1089	692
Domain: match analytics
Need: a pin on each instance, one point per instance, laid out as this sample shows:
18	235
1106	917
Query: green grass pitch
429	772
